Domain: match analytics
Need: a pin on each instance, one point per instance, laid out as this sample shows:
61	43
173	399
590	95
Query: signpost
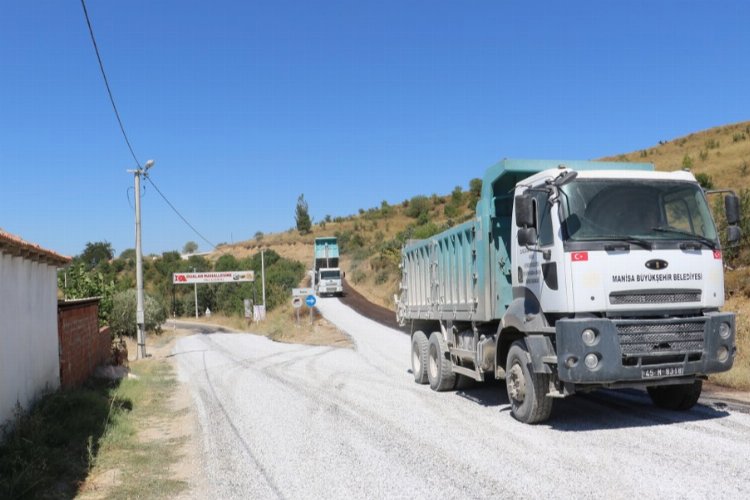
296	304
310	301
248	310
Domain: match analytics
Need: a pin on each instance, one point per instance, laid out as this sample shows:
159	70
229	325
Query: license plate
667	371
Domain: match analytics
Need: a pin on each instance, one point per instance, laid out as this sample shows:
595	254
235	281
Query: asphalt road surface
292	421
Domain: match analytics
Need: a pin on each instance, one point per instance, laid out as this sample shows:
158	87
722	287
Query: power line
106	83
148	178
122	127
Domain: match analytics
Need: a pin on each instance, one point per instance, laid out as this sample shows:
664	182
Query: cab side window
543	219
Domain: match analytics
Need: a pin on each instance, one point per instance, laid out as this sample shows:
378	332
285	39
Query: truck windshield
601	209
330	275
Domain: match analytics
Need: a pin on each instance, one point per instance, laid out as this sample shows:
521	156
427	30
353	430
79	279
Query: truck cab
621	274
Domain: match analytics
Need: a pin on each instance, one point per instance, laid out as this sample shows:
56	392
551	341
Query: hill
723	153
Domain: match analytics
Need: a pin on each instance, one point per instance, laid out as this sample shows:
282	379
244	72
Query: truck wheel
419	346
439	370
676	397
527	391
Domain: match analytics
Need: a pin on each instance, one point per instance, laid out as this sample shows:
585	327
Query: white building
29	358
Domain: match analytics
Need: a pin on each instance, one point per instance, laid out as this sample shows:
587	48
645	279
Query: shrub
687	162
704	180
122	321
418	206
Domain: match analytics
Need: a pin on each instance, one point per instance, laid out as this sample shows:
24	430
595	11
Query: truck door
540	268
502	229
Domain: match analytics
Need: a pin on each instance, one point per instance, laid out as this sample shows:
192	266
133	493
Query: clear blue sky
244	105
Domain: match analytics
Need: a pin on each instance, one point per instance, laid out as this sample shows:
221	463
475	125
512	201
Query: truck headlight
725	330
591	361
588	336
722	354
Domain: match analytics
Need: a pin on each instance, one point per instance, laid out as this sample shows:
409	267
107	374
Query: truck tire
419	347
676	397
439	370
527	391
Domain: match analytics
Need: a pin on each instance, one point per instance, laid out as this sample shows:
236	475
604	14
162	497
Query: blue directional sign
310	300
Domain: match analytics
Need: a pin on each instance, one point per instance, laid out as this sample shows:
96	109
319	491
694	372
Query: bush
418	206
704	180
122	321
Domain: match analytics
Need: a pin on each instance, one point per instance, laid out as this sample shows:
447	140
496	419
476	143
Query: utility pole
140	318
195	291
263	278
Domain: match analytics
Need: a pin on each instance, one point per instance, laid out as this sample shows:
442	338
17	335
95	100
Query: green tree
302	216
95	253
190	247
77	282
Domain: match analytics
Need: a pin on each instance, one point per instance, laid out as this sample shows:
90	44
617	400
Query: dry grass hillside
721	152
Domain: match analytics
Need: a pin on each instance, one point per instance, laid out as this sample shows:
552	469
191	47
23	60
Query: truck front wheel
439	370
419	346
527	391
676	397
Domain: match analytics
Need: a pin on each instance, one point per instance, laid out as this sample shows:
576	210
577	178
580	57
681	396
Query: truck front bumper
644	350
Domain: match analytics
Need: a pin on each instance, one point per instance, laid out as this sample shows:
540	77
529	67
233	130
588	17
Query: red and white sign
213	277
717	254
579	256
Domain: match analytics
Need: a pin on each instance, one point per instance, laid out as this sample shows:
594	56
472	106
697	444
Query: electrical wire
106	83
178	212
125	135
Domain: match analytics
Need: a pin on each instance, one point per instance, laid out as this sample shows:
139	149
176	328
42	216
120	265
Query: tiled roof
13	245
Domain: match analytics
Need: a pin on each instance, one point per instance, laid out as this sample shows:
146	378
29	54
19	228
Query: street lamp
140	319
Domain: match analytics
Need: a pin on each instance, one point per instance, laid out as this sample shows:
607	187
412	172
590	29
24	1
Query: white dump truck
327	276
573	276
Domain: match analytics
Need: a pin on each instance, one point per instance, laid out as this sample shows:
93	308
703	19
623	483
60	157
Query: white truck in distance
573	276
327	276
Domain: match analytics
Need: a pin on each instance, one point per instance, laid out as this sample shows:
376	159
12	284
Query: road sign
213	277
302	292
310	300
297	302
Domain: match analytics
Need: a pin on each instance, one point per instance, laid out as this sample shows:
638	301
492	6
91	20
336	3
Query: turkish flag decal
717	254
579	256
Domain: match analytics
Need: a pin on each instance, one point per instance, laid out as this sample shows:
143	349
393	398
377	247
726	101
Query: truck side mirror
524	208
526	236
733	234
732	209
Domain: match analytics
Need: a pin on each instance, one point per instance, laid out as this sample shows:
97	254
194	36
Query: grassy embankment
89	442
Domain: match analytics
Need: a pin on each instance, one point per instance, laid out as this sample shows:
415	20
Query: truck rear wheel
419	346
439	370
527	391
676	397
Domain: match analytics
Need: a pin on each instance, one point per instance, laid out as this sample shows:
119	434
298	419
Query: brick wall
83	345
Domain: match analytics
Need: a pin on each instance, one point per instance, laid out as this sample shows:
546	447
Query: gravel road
292	421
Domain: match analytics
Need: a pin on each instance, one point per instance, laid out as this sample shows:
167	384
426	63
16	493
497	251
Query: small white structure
29	358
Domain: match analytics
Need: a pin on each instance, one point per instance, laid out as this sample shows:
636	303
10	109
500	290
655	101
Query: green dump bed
326	252
464	273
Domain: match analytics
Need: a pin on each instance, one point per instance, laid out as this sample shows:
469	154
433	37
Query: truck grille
661	341
654	297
